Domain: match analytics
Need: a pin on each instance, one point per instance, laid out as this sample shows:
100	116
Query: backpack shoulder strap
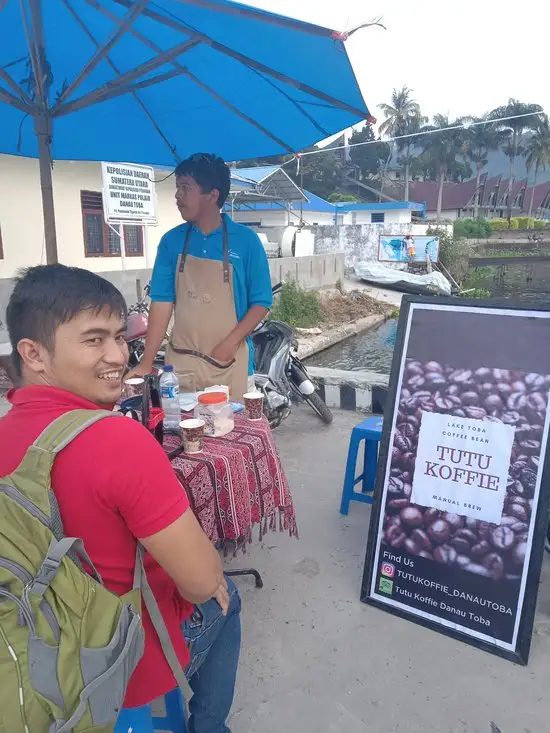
66	428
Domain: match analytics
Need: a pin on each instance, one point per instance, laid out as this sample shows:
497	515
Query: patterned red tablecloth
236	482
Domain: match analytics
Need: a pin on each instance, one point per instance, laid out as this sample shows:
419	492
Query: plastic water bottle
170	394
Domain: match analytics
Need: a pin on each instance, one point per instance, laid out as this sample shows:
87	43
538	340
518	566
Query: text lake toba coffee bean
514	398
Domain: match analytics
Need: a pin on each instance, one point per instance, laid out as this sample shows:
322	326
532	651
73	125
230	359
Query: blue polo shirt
251	278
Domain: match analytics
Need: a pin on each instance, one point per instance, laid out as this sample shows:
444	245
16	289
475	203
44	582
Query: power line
462	126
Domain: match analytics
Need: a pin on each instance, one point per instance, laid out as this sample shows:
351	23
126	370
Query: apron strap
225	249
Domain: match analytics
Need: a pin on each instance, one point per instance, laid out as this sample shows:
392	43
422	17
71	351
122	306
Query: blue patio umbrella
152	81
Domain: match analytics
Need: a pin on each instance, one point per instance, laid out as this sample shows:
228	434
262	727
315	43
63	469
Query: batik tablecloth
237	482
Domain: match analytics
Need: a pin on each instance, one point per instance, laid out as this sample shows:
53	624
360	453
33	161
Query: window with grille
99	239
377	217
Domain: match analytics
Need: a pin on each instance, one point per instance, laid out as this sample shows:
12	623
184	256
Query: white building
317	211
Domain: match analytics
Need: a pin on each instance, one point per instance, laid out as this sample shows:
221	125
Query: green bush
297	306
453	254
540	224
525	222
514	223
498	225
479	228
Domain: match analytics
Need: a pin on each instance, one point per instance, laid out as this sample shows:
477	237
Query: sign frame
538	523
420	253
111	217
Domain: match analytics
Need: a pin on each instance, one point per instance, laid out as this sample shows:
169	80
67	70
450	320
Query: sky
459	58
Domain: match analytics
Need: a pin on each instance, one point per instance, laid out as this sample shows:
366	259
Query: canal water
371	351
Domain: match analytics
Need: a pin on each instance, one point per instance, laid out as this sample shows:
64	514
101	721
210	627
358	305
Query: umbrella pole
42	126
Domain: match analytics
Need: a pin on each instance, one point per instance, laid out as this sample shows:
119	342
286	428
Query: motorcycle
136	330
279	372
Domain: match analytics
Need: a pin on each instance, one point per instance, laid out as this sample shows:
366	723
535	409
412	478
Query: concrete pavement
316	660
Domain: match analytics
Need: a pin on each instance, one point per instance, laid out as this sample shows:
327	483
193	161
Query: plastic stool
370	430
141	720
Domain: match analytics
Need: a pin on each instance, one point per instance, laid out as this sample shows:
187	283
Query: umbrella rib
103	49
124	79
16	102
15	86
247	61
113	66
183	70
264	17
32	43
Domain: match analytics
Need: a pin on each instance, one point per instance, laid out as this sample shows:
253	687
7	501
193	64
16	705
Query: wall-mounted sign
463	492
407	248
129	193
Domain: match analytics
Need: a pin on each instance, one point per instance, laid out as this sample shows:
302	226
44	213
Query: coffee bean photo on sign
517	399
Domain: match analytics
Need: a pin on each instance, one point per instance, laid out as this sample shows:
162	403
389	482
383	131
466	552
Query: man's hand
225	351
222	596
142	370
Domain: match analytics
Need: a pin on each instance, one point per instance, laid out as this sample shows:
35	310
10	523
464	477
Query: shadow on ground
316	660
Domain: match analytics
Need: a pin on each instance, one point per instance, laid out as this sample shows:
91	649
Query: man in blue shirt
212	273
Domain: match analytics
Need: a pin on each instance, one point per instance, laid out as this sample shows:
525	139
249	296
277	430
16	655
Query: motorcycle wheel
317	405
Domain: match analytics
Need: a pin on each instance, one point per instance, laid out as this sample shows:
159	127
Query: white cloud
460	58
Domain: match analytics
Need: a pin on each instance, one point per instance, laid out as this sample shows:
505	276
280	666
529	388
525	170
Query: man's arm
146	493
225	351
259	297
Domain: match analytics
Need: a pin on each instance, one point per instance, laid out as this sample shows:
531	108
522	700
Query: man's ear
32	355
215	195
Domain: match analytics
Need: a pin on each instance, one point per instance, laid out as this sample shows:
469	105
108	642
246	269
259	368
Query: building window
377	217
99	239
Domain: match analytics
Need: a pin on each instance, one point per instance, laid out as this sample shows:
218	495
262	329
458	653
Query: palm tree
537	155
524	117
479	140
402	117
442	146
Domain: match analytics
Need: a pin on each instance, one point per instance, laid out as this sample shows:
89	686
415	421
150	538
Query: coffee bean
475	413
493	403
455	521
530	447
433	366
421	539
516	401
444	404
395	486
462	561
395	536
426	554
519	512
473	567
412	516
470	398
534	381
460	545
445	554
483	374
511	417
468	535
494	564
396	505
410	546
439	531
430	515
501	375
519	552
480	550
459	376
503	538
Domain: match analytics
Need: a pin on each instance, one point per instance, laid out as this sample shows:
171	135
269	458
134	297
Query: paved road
316	660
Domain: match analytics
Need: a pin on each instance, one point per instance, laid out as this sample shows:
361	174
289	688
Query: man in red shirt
115	486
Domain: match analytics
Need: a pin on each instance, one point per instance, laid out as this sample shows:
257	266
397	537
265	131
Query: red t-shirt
113	483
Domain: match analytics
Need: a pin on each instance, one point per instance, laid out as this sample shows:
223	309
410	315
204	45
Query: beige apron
204	315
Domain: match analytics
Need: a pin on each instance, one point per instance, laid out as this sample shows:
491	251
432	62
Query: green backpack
68	646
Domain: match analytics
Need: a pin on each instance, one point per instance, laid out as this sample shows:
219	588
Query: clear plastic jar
216	411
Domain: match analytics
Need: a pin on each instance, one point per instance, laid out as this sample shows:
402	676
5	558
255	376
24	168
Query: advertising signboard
129	193
407	248
462	500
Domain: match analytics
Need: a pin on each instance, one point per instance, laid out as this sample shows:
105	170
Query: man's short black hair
209	172
47	296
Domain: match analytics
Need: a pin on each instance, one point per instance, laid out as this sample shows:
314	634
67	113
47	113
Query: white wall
446	215
397	216
22	224
281	217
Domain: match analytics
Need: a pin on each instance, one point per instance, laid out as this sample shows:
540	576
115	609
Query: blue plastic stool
141	720
370	430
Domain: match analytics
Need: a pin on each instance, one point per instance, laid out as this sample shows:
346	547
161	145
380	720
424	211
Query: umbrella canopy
152	81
